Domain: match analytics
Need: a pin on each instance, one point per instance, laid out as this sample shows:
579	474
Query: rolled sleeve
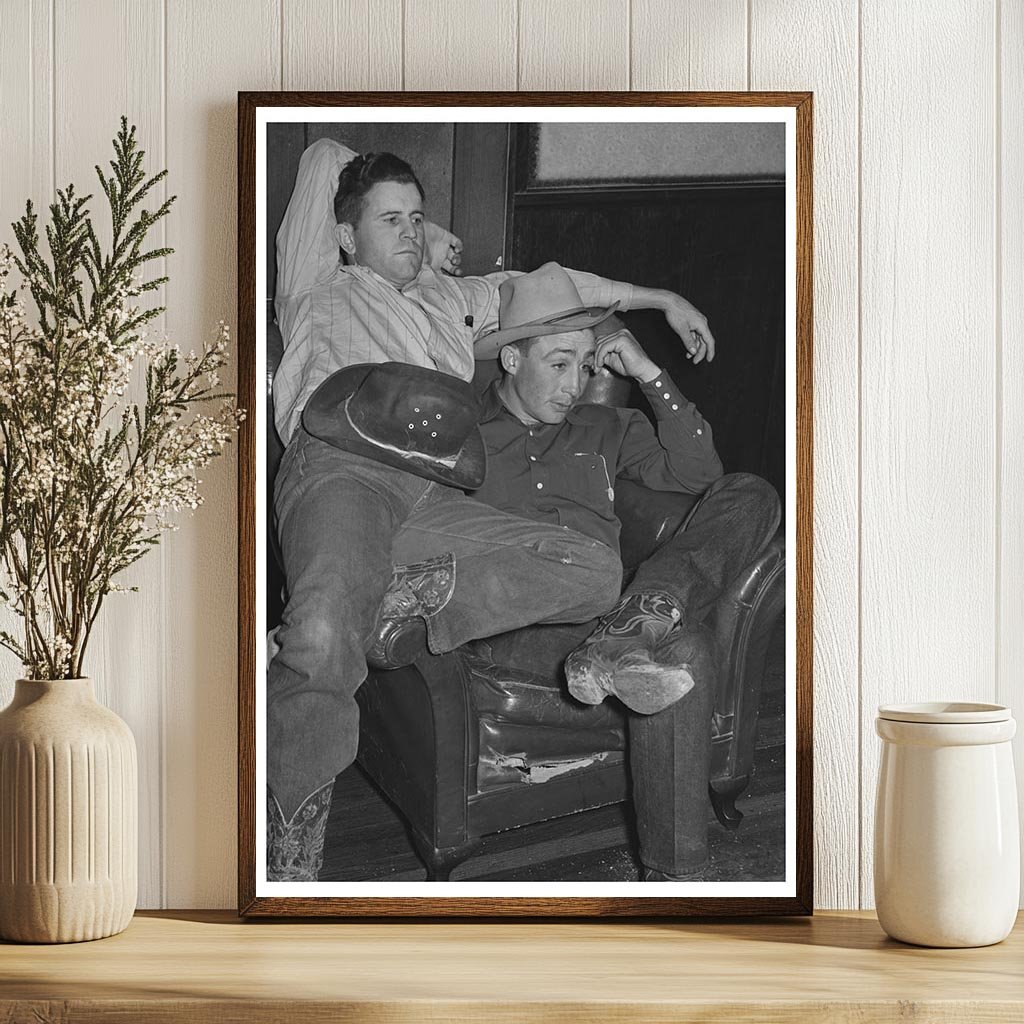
599	291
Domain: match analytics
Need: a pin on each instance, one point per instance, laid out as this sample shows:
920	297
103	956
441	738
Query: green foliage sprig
89	478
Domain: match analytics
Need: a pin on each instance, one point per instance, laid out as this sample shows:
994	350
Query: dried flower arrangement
89	477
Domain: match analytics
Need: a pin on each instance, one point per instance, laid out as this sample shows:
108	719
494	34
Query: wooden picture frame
793	110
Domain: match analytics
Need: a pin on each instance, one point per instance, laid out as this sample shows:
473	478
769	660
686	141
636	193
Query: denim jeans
670	752
343	521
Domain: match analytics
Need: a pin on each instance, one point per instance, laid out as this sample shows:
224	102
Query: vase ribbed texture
68	815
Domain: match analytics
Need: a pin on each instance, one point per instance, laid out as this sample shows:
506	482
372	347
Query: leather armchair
486	738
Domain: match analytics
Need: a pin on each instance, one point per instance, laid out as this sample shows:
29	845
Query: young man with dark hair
557	461
359	176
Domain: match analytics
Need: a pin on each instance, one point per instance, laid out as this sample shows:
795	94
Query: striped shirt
358	317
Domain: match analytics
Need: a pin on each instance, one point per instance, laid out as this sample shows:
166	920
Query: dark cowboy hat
532	305
419	420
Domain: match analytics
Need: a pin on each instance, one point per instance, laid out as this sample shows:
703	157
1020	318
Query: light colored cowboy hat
542	302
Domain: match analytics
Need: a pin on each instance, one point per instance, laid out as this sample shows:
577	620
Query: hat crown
539	297
414	409
416	419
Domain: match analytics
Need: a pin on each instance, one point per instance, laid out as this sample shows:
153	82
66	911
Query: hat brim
491	344
324	417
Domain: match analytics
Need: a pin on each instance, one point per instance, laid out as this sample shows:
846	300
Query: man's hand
621	353
442	250
692	326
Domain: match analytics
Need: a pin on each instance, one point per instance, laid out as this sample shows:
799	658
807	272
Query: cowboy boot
632	655
415	592
295	848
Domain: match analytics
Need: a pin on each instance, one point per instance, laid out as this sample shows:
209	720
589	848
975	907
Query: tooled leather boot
295	848
637	654
415	592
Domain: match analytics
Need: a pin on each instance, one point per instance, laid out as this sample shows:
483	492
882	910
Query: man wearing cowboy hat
378	355
556	460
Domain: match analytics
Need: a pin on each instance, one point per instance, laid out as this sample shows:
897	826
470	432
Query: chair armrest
744	619
419	742
648	519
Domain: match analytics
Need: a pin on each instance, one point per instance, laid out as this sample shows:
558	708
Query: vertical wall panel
781	59
1010	677
26	172
342	44
928	515
469	45
125	650
700	44
213	51
573	44
26	100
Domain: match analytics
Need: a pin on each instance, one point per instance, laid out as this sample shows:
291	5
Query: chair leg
724	793
440	863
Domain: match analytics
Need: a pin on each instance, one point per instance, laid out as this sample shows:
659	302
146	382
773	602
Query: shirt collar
490	403
425	278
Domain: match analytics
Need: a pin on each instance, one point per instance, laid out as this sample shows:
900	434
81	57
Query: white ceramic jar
947	847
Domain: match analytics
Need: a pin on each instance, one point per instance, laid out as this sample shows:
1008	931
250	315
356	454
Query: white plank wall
832	75
928	516
126	653
226	47
573	44
919	317
26	165
470	45
698	45
1009	255
341	44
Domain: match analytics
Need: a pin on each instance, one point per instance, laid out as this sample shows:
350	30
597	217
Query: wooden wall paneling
26	102
781	58
700	44
928	399
26	107
125	655
341	44
470	45
573	44
213	51
1010	376
479	194
285	143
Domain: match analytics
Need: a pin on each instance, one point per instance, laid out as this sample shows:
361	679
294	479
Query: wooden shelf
209	966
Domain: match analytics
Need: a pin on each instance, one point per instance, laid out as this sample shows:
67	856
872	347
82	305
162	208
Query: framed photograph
525	504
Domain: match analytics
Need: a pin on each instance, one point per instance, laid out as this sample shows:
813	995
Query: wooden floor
367	839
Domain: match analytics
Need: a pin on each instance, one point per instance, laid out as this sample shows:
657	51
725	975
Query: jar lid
945	713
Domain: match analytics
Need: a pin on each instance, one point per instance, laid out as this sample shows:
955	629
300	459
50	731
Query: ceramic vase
947	847
68	815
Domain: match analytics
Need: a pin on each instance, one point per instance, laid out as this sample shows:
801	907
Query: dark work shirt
565	473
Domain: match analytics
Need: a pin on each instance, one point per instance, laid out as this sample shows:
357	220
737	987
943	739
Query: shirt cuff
668	402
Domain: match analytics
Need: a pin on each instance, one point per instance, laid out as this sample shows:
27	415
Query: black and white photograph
525	486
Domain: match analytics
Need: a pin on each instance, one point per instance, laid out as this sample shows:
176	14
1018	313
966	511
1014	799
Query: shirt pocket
585	479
